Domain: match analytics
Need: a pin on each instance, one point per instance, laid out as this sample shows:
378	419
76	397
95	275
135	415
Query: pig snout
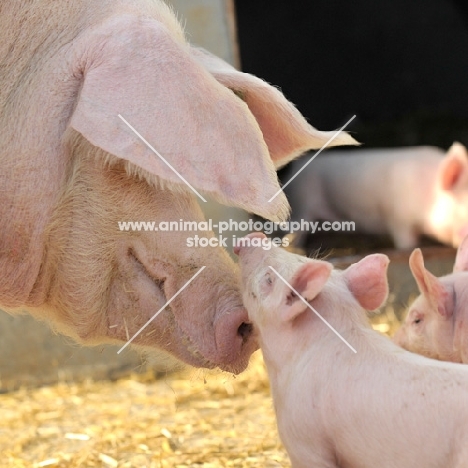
234	340
245	241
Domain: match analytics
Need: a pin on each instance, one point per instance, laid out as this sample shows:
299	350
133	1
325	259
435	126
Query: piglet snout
241	245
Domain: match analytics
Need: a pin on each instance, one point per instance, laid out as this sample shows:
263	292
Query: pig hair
73	284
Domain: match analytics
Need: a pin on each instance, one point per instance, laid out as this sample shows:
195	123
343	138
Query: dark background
400	65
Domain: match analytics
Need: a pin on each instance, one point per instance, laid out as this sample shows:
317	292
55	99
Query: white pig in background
436	324
404	192
71	170
381	407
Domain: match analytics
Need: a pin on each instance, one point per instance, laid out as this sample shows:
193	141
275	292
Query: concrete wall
212	25
31	354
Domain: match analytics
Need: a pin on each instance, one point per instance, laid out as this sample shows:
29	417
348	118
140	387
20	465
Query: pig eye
240	94
417	320
291	298
266	284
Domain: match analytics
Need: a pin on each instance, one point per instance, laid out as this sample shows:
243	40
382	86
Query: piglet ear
454	167
461	260
430	286
285	130
367	281
308	281
137	68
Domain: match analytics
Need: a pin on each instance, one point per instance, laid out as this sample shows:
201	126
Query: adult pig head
71	170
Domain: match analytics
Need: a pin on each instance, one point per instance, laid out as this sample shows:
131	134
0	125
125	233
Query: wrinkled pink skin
404	192
436	324
71	170
381	407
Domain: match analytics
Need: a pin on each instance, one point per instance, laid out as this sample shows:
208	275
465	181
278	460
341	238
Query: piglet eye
240	94
266	285
418	320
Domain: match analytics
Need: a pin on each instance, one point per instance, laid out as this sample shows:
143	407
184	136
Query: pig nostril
245	330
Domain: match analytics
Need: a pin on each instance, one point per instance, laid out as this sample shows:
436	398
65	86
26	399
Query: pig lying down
436	324
71	170
381	407
404	192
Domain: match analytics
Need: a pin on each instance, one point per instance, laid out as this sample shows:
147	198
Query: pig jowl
204	330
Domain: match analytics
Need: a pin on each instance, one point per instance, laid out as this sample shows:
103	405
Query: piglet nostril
245	330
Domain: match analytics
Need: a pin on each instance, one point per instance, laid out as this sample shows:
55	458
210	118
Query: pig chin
230	351
183	347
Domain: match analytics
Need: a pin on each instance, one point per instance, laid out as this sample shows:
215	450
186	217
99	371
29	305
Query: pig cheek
248	267
400	338
133	290
252	300
458	223
409	336
421	338
250	272
442	217
442	338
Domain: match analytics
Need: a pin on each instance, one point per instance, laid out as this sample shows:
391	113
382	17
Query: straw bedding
194	418
190	419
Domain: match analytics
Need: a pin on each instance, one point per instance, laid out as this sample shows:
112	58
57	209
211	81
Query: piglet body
380	407
404	192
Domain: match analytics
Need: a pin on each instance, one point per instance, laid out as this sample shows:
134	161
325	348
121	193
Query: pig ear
454	167
308	281
367	281
461	260
206	134
285	130
429	285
